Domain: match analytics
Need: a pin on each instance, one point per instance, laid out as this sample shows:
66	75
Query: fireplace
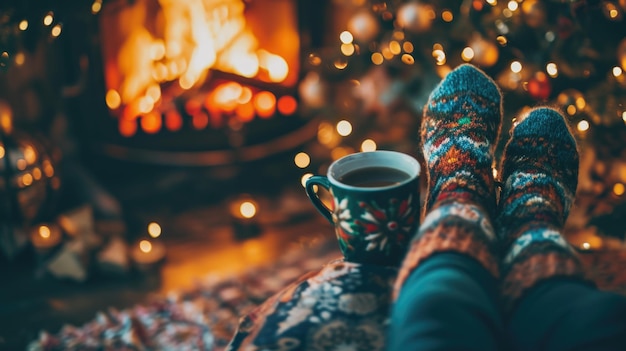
199	82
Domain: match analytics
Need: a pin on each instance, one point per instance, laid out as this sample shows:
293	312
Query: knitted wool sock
461	122
540	169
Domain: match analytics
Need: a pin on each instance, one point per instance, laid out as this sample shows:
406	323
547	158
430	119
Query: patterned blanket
206	317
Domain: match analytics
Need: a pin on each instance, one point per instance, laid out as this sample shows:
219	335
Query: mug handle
319	205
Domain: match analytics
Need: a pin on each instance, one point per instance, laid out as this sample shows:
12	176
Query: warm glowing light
287	105
30	155
245	96
227	95
159	72
408	59
21	164
344	128
346	37
96	6
585	246
387	54
395	47
157	50
265	104
48	170
173	121
326	134
44	231
447	16
368	145
512	5
151	123
516	67
340	152
617	71
613	13
304	178
245	112
247	209
245	65
126	127
467	54
340	63
315	60
146	104
23	25
347	49
502	40
583	125
20	58
56	30
154	92
200	121
552	69
185	82
154	229
624	116
494	171
145	246
439	56
619	189
47	20
275	65
580	102
571	110
377	58
399	35
407	47
2	152
27	179
302	160
36	173
492	2
113	99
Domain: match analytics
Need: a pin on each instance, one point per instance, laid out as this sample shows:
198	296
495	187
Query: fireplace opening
199	82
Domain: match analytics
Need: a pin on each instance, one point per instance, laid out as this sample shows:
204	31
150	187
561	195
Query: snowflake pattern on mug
383	227
380	227
342	218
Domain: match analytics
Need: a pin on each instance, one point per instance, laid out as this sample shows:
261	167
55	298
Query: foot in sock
540	174
461	123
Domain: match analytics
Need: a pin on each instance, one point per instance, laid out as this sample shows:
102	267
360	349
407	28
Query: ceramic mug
375	204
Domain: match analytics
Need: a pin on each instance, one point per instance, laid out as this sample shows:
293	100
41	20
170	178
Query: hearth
197	82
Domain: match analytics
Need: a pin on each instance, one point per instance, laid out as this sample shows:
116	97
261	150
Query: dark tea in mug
374	177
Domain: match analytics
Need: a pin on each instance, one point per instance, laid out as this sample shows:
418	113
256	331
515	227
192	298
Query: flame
195	36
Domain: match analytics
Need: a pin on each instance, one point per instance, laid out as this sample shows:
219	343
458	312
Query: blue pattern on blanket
344	306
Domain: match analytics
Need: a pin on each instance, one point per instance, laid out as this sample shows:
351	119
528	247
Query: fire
152	43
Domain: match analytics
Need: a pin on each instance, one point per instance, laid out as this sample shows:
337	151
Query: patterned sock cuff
536	262
455	227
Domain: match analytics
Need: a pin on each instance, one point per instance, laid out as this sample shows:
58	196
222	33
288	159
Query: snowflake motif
342	218
383	227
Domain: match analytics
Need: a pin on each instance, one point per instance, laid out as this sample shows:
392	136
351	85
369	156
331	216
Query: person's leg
446	288
569	315
447	303
549	305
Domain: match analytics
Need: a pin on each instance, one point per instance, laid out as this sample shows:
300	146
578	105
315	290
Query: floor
200	240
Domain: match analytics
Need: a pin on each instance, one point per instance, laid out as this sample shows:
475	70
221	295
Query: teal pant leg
448	303
559	315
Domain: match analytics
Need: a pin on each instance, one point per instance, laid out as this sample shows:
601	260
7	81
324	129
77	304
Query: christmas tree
371	83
